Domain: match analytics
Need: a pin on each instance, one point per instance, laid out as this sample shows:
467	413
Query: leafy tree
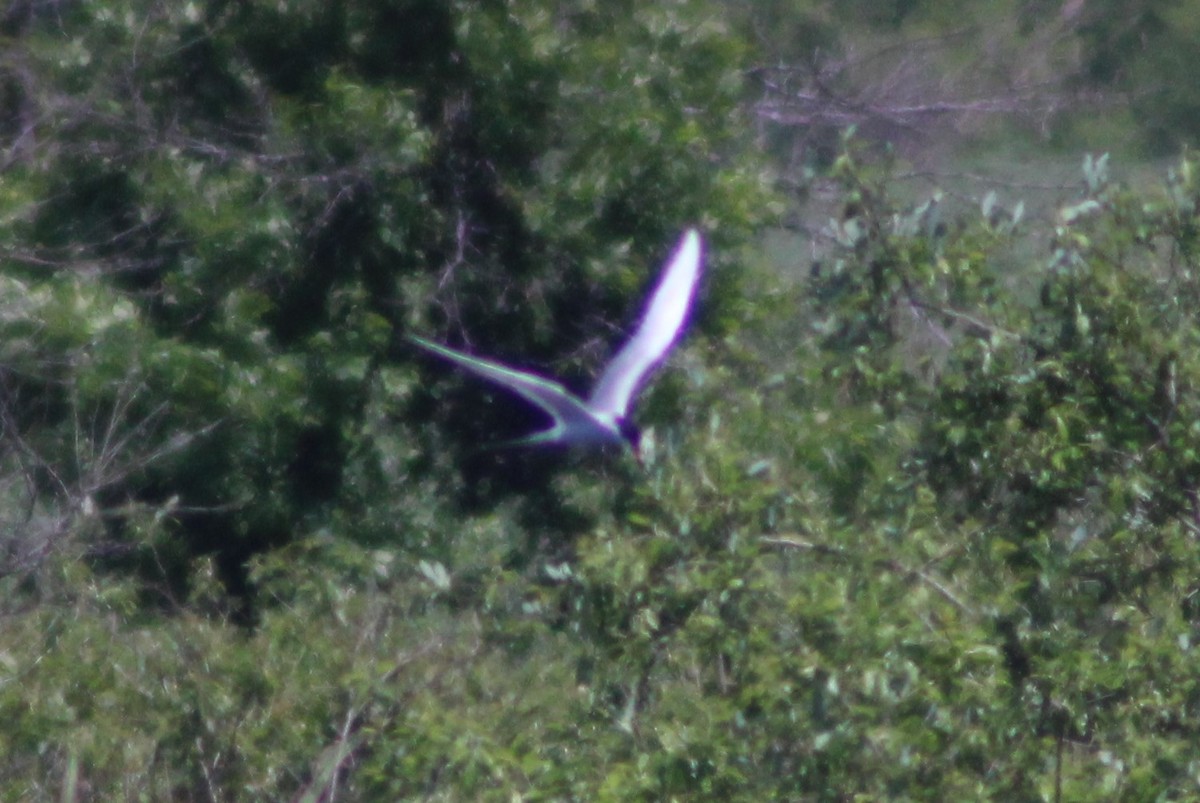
268	196
921	526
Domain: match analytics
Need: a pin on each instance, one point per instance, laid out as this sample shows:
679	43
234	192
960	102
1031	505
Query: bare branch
884	563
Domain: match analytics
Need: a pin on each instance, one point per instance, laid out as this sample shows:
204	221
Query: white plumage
603	418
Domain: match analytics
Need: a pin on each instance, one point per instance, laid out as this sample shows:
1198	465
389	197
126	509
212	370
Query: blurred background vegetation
921	516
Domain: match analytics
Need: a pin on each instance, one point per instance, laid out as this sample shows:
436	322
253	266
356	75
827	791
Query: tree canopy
920	512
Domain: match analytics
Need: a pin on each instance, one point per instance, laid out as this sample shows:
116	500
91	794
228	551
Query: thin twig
891	565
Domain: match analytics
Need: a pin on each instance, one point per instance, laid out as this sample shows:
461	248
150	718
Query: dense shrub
919	519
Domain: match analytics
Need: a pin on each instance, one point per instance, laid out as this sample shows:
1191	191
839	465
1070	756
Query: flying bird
602	418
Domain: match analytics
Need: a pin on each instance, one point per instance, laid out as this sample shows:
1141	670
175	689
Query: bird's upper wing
660	326
558	402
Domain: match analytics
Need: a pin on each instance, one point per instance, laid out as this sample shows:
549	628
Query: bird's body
603	418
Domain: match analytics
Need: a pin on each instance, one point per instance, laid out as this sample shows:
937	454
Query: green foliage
950	81
265	197
918	521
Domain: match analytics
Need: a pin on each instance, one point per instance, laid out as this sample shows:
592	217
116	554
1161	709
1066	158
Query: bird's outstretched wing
559	403
660	326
